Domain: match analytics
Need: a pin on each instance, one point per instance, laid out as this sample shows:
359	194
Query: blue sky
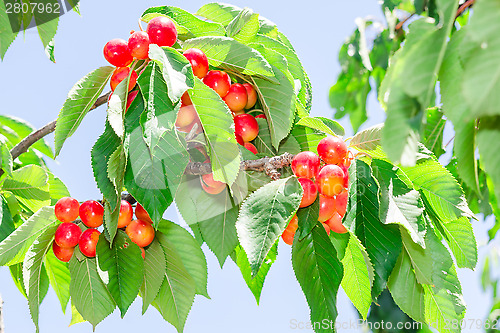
34	89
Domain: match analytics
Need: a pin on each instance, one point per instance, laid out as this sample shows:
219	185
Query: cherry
117	53
66	209
198	60
252	95
138	45
261	115
185	99
335	224
92	213
161	31
332	150
236	98
341	202
239	139
327	228
140	232
130	98
293	225
305	164
250	147
346	174
186	116
63	253
326	208
246	126
210	185
126	214
142	214
310	192
143	253
330	180
120	74
88	242
67	234
218	81
288	236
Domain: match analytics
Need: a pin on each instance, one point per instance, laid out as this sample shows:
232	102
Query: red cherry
250	147
218	81
310	192
335	224
120	74
246	126
236	98
130	98
288	236
140	232
67	234
210	185
239	139
88	242
126	214
66	209
330	180
326	208
92	213
138	45
63	253
332	150
117	53
185	99
142	214
293	225
341	202
327	228
252	95
162	31
306	164
198	60
261	115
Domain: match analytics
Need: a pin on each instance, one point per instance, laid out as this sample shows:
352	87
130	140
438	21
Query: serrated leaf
47	21
189	251
6	222
15	129
462	242
57	189
218	126
79	101
368	139
487	141
33	269
357	280
382	242
76	317
121	268
244	26
420	258
59	278
318	124
219	12
264	216
229	54
319	273
14	247
407	293
175	69
433	130
307	138
308	218
6	162
7	35
16	272
176	295
254	283
117	105
154	271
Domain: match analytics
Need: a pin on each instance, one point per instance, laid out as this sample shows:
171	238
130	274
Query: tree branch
28	141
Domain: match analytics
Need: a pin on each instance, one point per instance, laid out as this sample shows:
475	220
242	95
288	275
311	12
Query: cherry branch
30	140
269	165
464	6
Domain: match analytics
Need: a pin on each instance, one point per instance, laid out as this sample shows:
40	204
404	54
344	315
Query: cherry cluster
91	213
328	175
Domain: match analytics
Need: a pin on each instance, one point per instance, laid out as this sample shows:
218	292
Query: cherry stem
140	26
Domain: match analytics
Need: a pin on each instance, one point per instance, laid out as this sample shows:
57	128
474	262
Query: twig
464	6
401	23
28	141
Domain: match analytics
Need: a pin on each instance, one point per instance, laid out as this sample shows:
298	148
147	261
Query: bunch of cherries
328	175
68	234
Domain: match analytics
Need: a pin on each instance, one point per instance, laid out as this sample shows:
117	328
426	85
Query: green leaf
57	189
439	188
263	141
420	258
308	218
154	271
319	273
227	53
481	79
487	141
6	162
29	185
79	101
215	215
244	26
116	107
264	216
433	130
16	272
219	12
88	293
175	69
407	293
462	242
399	204
14	247
7	36
33	269
46	22
254	283
382	242
368	139
59	278
318	124
116	172
194	26
176	295
76	317
357	280
189	251
307	138
218	126
121	268
6	222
